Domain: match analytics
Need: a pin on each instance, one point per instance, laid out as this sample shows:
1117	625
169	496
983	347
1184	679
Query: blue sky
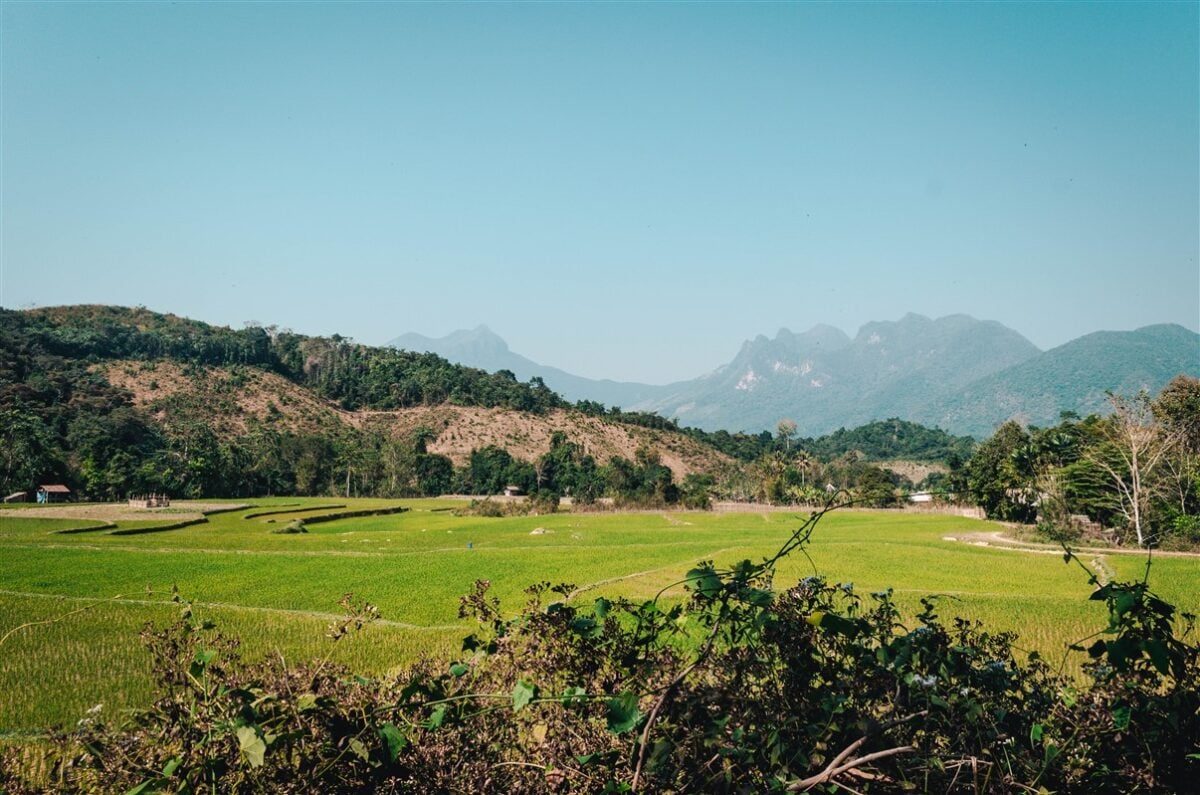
622	190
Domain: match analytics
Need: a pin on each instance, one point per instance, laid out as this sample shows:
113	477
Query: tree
26	450
787	430
1177	408
995	479
1132	450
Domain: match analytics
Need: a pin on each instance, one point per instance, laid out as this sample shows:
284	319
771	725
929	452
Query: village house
53	492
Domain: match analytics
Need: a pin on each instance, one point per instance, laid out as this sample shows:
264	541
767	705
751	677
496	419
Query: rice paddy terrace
78	583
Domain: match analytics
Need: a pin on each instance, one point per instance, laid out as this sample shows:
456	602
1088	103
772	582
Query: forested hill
114	401
352	375
888	440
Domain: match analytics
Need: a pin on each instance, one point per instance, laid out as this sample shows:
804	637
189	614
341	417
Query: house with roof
53	492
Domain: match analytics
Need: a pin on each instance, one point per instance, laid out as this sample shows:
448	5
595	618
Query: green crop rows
278	592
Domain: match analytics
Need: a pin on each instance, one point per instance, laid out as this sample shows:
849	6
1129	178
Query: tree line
1135	471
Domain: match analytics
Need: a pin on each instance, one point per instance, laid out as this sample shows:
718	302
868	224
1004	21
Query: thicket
741	687
1136	470
882	440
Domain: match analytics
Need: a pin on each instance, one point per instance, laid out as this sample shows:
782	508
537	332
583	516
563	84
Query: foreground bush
743	688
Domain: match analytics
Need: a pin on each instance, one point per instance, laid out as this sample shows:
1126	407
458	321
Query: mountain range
956	372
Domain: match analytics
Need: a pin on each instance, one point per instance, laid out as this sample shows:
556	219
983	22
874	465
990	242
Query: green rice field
72	604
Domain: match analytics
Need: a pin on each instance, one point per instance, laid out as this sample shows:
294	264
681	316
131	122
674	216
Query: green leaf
1121	716
623	713
573	695
1035	733
436	718
522	694
704	581
1119	652
837	624
171	766
586	627
201	661
358	749
602	607
758	597
140	788
251	745
1158	655
394	739
306	702
458	669
1124	603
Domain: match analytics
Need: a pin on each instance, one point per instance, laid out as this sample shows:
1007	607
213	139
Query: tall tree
995	475
1177	408
1133	448
787	431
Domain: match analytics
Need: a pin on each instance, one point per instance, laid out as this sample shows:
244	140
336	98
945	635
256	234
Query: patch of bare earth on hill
231	404
462	429
915	471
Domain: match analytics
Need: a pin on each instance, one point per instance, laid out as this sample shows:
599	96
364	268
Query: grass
278	592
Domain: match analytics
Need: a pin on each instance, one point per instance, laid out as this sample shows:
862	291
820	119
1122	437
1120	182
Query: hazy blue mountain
824	380
481	347
955	372
1071	377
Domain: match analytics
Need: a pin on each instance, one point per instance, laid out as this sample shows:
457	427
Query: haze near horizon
622	191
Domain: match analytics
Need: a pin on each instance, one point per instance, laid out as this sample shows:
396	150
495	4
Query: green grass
278	593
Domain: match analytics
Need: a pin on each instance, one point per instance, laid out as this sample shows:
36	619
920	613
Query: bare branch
831	771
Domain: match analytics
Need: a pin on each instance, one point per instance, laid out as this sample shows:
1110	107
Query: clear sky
621	190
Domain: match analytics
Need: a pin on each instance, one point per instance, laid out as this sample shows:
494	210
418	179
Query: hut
53	492
150	501
513	491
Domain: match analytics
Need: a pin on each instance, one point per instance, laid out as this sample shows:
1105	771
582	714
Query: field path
591	585
996	539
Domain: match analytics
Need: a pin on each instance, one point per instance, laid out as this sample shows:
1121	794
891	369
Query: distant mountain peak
480	339
955	371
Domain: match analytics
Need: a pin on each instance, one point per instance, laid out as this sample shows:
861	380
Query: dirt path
676	565
182	510
998	540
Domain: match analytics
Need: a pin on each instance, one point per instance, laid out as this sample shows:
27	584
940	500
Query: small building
150	501
513	491
17	496
53	492
920	496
